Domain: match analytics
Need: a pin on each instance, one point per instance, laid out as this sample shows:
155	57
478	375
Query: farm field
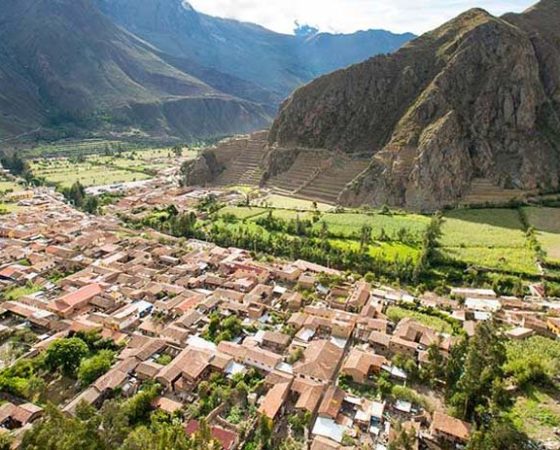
242	212
546	222
283	202
347	224
488	238
7	186
491	238
65	173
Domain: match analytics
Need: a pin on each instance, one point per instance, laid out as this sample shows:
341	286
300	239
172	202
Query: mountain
276	62
153	68
477	98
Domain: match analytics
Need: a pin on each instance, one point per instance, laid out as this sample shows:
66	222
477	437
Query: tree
92	368
91	204
365	236
499	435
435	368
65	355
178	150
483	365
404	439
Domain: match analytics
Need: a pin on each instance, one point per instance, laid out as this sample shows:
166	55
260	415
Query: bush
92	368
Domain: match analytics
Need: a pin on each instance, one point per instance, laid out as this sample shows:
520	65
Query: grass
280	201
16	293
546	350
346	224
6	185
483	228
65	173
490	238
547	223
7	208
242	212
537	413
396	314
518	260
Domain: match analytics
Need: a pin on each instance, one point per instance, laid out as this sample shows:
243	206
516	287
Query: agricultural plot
547	223
9	186
64	173
283	202
491	238
242	212
393	226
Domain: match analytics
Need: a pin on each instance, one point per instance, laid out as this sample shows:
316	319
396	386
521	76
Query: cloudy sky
347	16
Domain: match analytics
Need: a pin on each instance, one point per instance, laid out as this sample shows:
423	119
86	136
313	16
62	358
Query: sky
347	16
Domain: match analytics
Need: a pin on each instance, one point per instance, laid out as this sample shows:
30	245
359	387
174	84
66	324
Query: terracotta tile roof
451	426
320	360
332	402
274	399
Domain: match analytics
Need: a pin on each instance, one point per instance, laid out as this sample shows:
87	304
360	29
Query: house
320	361
332	402
17	416
228	439
554	325
276	341
274	399
449	429
360	365
69	304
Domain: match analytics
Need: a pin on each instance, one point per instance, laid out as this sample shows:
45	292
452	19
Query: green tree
65	355
483	365
92	368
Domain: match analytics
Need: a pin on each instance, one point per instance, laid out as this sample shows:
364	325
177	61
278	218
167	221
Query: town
260	352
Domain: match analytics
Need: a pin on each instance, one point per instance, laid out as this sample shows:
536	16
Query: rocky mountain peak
476	98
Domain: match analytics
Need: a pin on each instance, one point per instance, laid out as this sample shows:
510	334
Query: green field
347	224
547	223
280	201
537	414
491	238
9	186
483	228
396	314
65	173
242	212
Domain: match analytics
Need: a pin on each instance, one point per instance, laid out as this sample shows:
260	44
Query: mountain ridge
464	101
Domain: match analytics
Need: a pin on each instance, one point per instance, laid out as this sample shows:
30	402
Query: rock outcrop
478	97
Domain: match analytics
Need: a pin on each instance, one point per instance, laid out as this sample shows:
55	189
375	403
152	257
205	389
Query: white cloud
347	16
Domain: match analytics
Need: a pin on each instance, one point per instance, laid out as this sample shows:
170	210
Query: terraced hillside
484	191
241	158
318	175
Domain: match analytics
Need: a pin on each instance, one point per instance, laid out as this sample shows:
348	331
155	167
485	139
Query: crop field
547	223
385	250
65	173
491	238
347	224
280	201
242	212
9	186
518	260
483	228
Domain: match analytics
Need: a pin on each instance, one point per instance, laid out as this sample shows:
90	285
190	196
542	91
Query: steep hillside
475	98
70	65
276	62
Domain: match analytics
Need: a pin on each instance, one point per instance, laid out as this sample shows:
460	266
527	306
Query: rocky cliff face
475	98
